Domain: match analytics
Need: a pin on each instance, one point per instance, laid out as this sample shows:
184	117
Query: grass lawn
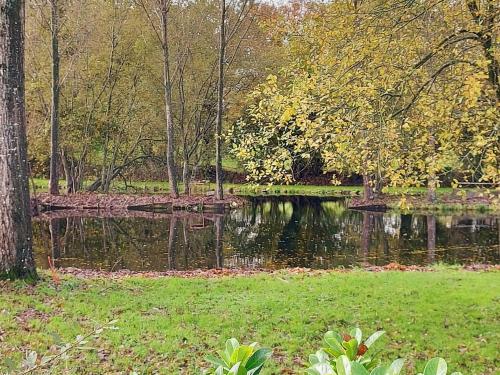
244	189
169	325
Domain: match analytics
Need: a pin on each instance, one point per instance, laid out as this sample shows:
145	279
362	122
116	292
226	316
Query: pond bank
449	201
140	202
170	325
231	272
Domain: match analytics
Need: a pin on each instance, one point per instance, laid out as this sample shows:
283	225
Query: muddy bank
138	202
213	273
469	200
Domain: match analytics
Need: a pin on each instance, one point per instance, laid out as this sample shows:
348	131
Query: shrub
345	354
239	359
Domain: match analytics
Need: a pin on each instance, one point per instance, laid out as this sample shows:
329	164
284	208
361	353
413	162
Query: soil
125	202
212	273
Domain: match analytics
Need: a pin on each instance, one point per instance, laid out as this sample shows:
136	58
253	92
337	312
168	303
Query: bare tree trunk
172	178
72	184
186	175
219	192
432	180
16	256
54	112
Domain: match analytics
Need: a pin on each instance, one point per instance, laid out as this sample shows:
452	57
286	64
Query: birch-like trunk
16	256
172	177
219	193
54	112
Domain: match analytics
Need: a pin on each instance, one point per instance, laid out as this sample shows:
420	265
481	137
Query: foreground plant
437	366
350	345
347	355
239	359
342	365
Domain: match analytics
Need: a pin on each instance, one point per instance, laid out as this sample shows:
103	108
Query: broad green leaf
241	354
343	365
335	335
258	358
231	346
225	357
358	369
396	367
319	357
436	366
333	340
380	370
216	361
357	334
351	348
237	369
374	337
321	369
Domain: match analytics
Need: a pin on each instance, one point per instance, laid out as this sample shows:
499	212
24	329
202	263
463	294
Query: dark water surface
270	232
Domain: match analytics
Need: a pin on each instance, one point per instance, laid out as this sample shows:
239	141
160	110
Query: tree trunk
172	178
16	256
432	179
69	172
219	192
186	176
54	112
367	188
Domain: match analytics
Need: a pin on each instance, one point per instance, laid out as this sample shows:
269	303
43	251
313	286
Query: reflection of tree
55	241
219	233
431	238
367	229
270	232
172	235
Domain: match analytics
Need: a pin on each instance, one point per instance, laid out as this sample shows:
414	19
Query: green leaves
257	360
437	366
343	365
345	355
374	337
334	344
239	359
323	368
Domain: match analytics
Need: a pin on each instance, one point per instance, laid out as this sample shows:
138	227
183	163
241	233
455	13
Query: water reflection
271	232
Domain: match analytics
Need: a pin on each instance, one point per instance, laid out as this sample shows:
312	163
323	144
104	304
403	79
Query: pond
268	232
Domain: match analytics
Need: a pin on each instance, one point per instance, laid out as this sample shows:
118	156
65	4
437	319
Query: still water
269	232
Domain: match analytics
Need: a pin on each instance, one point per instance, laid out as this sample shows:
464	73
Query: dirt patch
229	272
26	316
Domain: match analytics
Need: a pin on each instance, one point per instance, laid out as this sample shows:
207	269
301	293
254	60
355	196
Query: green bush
239	359
346	354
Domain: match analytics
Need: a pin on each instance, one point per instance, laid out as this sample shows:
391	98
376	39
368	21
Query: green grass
247	189
171	324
